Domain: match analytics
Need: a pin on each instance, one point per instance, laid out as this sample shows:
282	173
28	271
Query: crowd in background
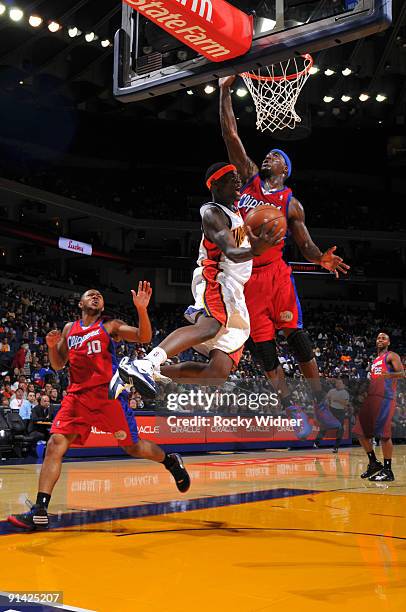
344	346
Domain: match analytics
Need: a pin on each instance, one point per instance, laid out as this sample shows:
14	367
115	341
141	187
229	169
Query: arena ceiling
51	69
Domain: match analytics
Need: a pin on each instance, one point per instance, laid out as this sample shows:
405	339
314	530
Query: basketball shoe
385	475
35	518
372	469
175	466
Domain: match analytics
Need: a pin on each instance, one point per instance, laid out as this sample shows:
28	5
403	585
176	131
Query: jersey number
94	347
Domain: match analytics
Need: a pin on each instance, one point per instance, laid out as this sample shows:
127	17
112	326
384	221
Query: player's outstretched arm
236	151
397	366
58	347
311	252
216	229
143	333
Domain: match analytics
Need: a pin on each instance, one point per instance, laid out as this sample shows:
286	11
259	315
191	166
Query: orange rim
257	77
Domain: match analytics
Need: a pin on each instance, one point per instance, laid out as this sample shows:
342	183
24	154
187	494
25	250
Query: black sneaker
385	475
179	472
36	518
373	468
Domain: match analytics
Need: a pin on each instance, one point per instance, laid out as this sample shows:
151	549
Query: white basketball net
275	90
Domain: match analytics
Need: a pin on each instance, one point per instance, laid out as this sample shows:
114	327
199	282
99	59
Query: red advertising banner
213	28
197	429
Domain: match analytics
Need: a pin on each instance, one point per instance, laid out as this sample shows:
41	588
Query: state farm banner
213	28
82	248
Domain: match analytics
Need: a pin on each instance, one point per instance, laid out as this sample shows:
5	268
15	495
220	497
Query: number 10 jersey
92	357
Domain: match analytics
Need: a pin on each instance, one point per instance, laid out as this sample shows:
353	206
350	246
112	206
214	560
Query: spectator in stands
31	399
54	396
20	380
46	372
19	359
6	391
4	347
136	402
5	403
18	401
41	420
36	375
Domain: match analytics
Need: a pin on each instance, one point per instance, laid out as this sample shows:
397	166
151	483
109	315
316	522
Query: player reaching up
88	345
376	413
219	315
278	307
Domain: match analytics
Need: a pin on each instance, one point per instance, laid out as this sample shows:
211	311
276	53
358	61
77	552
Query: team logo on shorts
286	316
120	435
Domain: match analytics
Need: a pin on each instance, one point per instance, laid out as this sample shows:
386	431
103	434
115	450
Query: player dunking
278	307
88	345
219	315
376	413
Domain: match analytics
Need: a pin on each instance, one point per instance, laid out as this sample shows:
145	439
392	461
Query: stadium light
35	21
314	70
16	14
345	98
346	71
209	89
53	27
329	72
328	99
241	92
381	98
364	97
2	8
90	37
72	32
189	92
105	43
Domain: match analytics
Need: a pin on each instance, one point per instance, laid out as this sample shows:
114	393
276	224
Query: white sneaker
138	374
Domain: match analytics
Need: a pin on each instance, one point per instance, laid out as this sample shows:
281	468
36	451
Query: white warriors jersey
210	256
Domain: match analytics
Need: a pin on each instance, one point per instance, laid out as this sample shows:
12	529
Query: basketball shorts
80	411
221	297
375	417
272	301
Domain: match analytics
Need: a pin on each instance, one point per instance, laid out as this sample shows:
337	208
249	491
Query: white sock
157	356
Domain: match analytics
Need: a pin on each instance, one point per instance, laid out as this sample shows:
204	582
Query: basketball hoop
275	90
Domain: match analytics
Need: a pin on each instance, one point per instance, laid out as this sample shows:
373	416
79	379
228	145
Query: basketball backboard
149	62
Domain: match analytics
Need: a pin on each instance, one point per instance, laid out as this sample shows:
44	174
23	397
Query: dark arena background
108	125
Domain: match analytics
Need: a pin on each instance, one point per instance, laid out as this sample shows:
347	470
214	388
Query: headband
219	173
286	158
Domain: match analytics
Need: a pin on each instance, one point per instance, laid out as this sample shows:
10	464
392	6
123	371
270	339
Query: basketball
267	215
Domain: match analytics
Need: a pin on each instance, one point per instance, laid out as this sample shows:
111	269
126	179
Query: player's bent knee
219	367
208	328
57	446
268	354
301	346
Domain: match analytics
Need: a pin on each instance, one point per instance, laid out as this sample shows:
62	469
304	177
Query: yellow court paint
343	547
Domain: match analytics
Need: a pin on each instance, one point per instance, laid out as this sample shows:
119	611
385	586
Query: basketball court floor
257	531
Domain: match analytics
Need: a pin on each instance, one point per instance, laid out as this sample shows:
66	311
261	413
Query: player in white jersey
219	315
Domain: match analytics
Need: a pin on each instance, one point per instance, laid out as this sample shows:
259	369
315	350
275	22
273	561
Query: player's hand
268	237
226	82
142	297
53	337
334	263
